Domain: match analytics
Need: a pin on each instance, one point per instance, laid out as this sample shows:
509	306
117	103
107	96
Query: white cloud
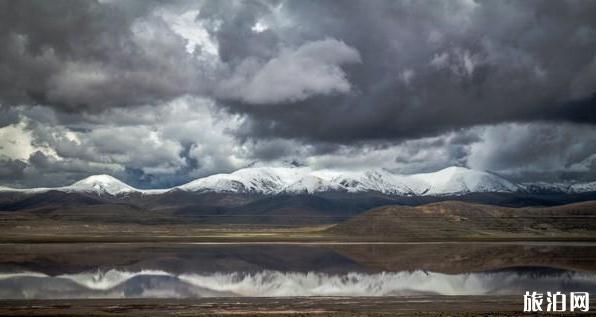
259	27
406	76
440	60
192	31
188	138
16	142
153	139
295	74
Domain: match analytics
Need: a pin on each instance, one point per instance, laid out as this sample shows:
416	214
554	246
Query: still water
187	271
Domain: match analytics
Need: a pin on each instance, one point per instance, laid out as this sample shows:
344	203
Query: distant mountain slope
456	219
453	180
303	180
101	184
263	180
95	184
280	196
179	206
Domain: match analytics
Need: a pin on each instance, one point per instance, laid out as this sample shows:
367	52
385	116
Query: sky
159	93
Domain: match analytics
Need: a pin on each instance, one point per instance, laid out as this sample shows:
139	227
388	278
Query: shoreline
426	305
326	243
288	241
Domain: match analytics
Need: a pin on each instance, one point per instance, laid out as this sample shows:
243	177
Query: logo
556	302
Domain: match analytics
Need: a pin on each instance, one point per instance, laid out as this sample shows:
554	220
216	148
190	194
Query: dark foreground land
43	242
442	221
288	306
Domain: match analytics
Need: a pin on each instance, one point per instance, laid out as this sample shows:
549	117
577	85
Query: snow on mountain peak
583	187
273	180
101	184
97	184
299	179
264	180
455	179
312	184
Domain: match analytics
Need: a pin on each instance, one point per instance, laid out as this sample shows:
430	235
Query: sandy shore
298	306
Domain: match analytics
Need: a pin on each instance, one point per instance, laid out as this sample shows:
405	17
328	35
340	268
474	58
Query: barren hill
460	220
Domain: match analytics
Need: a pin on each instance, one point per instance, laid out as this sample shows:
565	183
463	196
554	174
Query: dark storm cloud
109	87
235	36
409	69
87	55
8	116
432	66
42	170
11	169
537	151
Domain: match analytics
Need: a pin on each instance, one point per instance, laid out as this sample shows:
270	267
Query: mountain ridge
303	180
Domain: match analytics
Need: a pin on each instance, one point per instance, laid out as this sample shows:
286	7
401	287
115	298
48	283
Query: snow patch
276	180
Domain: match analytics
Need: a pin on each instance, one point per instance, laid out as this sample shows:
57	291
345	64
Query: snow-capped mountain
583	187
544	187
463	180
276	180
264	180
95	184
101	184
378	180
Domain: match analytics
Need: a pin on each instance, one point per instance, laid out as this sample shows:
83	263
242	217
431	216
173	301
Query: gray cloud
149	146
86	55
538	151
11	168
467	63
188	138
293	75
131	89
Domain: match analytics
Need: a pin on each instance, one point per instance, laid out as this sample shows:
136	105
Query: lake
80	270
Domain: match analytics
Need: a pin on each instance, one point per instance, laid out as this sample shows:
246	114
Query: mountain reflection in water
160	284
192	271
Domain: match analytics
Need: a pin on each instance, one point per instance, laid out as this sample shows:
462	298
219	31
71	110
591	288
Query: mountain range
275	195
304	180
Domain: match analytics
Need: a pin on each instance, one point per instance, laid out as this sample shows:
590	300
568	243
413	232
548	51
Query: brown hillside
453	220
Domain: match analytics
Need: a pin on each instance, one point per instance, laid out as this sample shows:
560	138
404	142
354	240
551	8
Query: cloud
542	151
97	56
159	93
149	146
294	75
16	142
474	64
583	84
520	151
188	138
